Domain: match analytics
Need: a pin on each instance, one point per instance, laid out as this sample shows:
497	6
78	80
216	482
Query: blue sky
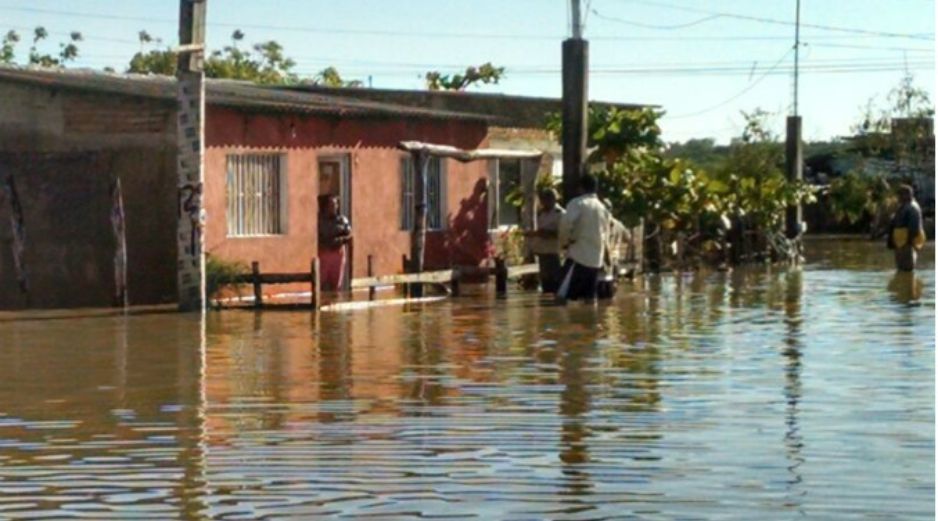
715	66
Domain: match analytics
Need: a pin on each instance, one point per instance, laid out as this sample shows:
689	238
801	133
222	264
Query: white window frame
494	195
407	194
241	230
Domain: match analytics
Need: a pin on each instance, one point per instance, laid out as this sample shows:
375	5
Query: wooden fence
449	279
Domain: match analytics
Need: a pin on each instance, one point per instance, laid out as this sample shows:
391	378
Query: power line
737	16
653	26
411	34
735	96
879	47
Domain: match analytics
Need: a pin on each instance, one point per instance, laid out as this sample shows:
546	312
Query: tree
68	50
263	63
8	48
900	129
330	77
485	73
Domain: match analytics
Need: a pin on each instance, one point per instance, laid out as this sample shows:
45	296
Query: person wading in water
583	231
906	233
544	240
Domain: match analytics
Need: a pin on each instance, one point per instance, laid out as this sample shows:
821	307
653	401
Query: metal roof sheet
237	94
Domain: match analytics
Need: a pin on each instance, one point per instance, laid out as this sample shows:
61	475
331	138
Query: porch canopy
422	152
467	155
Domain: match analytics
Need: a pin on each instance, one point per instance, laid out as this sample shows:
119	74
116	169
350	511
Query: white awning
468	155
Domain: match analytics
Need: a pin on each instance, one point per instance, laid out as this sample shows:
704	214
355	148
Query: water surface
756	394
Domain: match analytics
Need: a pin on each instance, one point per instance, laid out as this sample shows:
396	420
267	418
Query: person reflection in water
906	233
905	287
335	232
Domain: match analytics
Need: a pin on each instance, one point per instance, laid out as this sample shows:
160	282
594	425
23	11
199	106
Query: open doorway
335	180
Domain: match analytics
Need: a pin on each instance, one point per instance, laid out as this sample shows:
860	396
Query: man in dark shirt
906	235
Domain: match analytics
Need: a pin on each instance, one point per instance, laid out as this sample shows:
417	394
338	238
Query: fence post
258	295
454	283
314	283
501	277
371	289
406	265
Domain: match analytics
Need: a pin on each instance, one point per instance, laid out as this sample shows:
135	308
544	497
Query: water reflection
575	398
792	354
905	287
755	394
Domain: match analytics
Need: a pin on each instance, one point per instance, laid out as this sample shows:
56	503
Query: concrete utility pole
575	67
794	159
190	136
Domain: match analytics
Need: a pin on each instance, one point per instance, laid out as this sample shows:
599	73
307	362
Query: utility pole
190	140
794	159
575	67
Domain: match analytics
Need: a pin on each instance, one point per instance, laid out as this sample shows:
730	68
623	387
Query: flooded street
756	394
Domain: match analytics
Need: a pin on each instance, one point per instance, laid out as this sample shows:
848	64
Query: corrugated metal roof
230	93
505	109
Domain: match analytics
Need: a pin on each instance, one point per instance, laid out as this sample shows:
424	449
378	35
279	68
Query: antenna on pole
576	19
797	48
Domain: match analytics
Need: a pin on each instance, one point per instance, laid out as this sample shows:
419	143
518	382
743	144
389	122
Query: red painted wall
374	161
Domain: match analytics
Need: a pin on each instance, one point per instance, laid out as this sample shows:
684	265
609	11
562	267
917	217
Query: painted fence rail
448	279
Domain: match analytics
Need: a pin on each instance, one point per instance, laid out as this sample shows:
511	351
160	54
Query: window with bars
254	190
436	194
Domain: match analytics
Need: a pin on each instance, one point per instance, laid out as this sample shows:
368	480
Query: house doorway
335	178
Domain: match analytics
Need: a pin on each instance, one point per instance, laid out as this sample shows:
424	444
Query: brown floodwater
756	394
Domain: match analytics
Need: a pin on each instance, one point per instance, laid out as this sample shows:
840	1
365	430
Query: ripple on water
758	394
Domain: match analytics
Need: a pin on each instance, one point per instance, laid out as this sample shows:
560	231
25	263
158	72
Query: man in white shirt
544	241
583	231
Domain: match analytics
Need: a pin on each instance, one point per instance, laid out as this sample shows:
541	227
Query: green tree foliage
686	208
897	129
485	73
703	153
68	50
854	197
263	63
8	47
330	77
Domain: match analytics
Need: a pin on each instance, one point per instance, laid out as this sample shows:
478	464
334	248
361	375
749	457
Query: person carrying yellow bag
906	233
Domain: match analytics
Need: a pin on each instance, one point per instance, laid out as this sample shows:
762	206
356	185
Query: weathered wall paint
64	148
375	173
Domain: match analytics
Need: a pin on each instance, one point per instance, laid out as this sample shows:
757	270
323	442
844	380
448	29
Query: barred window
436	194
254	191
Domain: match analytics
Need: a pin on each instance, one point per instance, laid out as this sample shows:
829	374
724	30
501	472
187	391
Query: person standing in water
583	230
335	232
545	241
906	234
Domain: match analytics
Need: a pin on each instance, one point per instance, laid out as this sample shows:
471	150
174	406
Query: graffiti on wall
120	241
18	226
190	196
190	216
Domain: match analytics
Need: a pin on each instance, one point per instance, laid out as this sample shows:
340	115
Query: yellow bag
900	237
919	240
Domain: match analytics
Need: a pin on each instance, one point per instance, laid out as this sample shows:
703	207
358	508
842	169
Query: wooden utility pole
190	136
575	67
794	159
